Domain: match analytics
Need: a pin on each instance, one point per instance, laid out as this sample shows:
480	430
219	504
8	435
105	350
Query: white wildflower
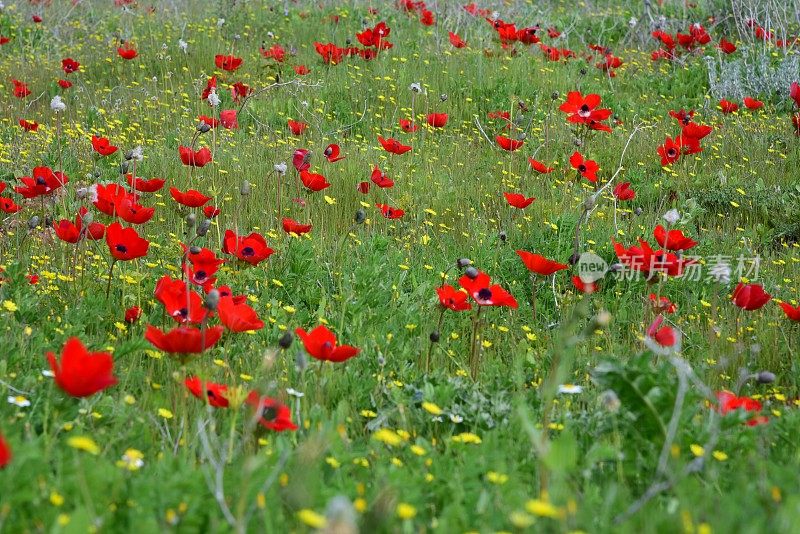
56	104
672	216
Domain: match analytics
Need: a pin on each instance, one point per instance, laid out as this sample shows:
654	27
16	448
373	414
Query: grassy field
658	396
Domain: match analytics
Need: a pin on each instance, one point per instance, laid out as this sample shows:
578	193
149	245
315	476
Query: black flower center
485	294
248	251
269	413
581	168
121	248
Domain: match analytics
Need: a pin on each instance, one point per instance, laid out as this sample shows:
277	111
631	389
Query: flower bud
244	189
555	95
463	262
212	300
194	249
203	127
33	222
123	167
191	219
765	377
286	340
471	272
202	230
443	97
361	216
434	337
503	236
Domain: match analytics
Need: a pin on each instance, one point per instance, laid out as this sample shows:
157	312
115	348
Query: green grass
507	453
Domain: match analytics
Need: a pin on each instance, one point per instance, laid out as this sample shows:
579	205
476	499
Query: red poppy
320	343
792	312
330	53
390	212
583	109
456	41
374	36
693	132
276	52
750	297
662	304
484	293
332	152
133	314
227	63
726	46
673	240
644	259
624	192
437	120
538	264
380	179
516	200
664	336
586	167
196	158
102	146
213	394
297	127
794	93
408	126
108	197
4	40
210	121
210	211
670	151
190	198
81	373
252	248
211	85
272	415
69	65
7	205
145	186
43	182
796	123
452	298
290	226
20	89
301	70
728	107
239	91
506	143
180	302
426	18
752	103
29	126
124	244
73	232
5	453
313	181
540	167
204	265
729	402
228	119
184	339
301	159
393	146
127	51
584	287
363	187
505	115
238	317
64	84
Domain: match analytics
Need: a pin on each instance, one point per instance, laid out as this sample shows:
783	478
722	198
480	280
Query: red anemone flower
670	151
103	146
408	126
81	373
133	314
227	63
290	226
484	293
64	84
125	243
390	212
276	52
313	181
794	93
586	167
538	264
210	211
43	182
190	198
584	287
183	339
145	186
506	143
456	40
752	103
252	248
127	51
5	453
20	89
29	126
792	312
662	304
517	200
69	65
204	265
238	91
726	46
297	127
301	159
238	317
320	343
540	167
673	239
301	70
583	109
728	107
437	120
729	402
272	415
332	152
664	337
624	192
213	394
7	205
750	297
393	146
452	298
194	158
380	179
228	119
179	301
